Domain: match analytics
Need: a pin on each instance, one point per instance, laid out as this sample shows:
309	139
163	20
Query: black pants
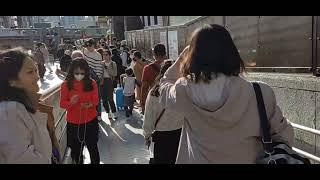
91	140
41	70
166	144
98	107
128	104
107	95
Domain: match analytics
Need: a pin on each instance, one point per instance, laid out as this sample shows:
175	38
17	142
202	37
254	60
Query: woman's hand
173	73
74	99
87	105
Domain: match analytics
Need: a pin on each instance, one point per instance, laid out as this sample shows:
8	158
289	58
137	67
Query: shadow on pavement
44	85
121	142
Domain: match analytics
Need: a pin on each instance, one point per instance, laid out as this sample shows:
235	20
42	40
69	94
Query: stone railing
51	96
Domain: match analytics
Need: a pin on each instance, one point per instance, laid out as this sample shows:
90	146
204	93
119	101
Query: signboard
173	44
163	39
42	25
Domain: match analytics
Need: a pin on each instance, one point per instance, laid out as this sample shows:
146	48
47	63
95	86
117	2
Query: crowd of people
197	109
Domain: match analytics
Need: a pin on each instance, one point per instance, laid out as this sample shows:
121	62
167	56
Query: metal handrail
304	153
307	129
307	155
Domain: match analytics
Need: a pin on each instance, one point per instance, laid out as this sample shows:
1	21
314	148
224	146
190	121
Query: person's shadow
121	141
49	77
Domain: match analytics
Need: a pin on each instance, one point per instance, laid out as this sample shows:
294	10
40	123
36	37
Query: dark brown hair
211	51
83	65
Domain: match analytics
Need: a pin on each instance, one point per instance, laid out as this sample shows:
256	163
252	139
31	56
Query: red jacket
148	78
75	113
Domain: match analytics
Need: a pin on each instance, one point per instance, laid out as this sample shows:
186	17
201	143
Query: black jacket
65	62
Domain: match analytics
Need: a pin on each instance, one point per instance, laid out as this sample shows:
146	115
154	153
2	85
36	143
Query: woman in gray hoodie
221	123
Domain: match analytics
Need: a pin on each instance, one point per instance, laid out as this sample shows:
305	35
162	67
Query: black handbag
274	152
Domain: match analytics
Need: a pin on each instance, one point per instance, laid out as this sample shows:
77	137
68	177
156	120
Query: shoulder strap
158	119
264	123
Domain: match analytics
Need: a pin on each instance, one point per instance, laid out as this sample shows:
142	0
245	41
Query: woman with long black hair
79	96
26	134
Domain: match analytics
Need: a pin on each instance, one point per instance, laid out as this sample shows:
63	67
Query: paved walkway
122	142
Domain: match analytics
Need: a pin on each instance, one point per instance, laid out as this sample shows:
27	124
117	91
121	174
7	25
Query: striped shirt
94	60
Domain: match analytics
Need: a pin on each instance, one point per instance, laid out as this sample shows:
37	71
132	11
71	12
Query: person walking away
151	71
130	64
124	55
79	96
129	84
221	118
120	69
110	71
137	67
39	59
161	126
46	58
65	61
61	50
26	135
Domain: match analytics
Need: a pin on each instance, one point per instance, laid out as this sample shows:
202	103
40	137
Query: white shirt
124	57
129	85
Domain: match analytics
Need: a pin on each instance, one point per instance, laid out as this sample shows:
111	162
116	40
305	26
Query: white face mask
131	56
79	77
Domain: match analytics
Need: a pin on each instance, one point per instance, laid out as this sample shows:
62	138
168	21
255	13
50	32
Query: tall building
5	21
72	21
103	21
155	21
23	21
54	20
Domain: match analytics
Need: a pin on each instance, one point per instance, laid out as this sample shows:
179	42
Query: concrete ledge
301	81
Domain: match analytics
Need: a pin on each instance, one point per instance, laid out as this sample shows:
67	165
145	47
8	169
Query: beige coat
138	70
169	121
24	138
221	122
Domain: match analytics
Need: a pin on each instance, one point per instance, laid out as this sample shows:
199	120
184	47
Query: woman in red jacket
79	96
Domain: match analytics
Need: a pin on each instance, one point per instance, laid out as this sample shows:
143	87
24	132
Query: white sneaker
114	116
109	115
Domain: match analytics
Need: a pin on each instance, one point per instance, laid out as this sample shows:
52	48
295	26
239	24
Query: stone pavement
122	142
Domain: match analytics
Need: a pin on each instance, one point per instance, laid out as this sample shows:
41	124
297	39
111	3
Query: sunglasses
79	73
